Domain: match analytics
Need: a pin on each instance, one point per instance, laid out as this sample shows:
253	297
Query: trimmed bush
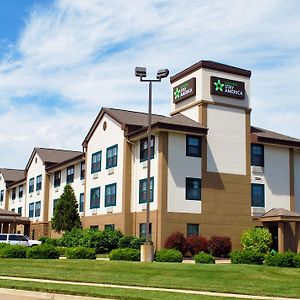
136	243
195	244
176	241
43	252
204	258
125	254
125	241
249	257
297	260
14	251
168	255
286	259
257	239
2	245
49	241
220	246
81	253
62	250
72	238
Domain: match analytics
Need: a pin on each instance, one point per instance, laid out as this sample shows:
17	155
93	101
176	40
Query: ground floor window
94	227
258	195
192	229
109	227
143	230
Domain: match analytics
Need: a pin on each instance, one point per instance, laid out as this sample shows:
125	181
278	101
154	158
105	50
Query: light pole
147	250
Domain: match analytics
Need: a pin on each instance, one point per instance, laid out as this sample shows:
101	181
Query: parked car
18	239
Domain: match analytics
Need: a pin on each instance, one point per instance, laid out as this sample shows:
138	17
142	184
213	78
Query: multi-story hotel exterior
212	173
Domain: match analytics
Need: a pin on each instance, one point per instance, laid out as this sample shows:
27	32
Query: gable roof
280	212
271	137
53	156
133	122
12	175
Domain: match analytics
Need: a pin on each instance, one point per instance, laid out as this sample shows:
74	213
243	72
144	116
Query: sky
62	60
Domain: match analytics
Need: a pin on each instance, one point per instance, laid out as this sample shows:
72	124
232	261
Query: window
31	185
96	162
21	191
13	194
94	227
3	237
57	179
143	230
192	229
31	210
39	182
109	227
70	174
257	155
13	237
20	210
111	156
193	189
258	195
110	194
144	149
95	198
81	202
38	209
143	190
1	196
55	201
82	170
193	145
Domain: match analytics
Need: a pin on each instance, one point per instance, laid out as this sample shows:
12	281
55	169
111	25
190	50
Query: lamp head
162	73
140	72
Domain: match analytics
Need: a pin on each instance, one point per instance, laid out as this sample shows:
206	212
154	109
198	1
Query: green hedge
81	253
125	254
250	257
43	252
15	251
62	250
204	258
49	241
168	255
130	241
286	259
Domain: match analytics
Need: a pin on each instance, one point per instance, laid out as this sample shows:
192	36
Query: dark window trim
253	163
188	153
39	209
21	191
186	188
70	177
143	235
38	183
57	179
144	157
92	205
192	234
1	196
263	194
31	185
31	211
93	168
13	194
82	170
115	199
81	202
111	165
140	190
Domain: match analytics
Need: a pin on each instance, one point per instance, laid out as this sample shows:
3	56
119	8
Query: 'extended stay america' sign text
184	90
227	87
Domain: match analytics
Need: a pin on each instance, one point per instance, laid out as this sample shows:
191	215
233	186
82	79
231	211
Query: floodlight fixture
140	72
162	73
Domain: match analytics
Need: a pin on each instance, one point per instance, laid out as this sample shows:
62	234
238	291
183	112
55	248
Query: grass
243	279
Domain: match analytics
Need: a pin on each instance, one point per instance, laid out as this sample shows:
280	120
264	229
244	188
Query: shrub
62	250
286	259
204	258
176	241
43	252
195	244
258	239
14	251
72	238
168	255
2	245
249	257
125	241
297	260
125	254
220	246
81	253
136	243
49	241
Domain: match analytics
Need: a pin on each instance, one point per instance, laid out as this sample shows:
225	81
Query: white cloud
85	52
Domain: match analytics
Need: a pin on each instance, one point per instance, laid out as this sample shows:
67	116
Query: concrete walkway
192	292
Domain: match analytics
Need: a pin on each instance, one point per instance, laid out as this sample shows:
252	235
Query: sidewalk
192	292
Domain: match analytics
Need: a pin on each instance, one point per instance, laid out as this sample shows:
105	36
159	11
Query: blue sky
62	60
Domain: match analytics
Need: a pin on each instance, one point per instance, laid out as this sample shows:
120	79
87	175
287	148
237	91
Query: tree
66	214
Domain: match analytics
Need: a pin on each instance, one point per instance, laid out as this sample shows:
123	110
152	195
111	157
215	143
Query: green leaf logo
219	86
177	93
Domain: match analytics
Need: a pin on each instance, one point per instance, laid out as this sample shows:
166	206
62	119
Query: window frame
57	179
21	191
187	196
262	187
37	209
112	164
81	202
31	210
82	170
141	182
94	205
70	177
190	153
13	193
20	210
38	184
144	152
111	227
1	196
143	233
55	201
31	185
189	233
94	165
261	157
111	202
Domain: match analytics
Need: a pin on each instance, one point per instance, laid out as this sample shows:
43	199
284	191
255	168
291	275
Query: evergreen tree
66	216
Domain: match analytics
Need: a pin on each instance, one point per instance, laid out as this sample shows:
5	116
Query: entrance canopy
9	221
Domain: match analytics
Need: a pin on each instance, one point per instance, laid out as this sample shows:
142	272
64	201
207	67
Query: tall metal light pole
147	252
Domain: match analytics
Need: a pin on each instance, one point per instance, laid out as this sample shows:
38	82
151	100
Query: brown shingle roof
280	212
11	175
268	136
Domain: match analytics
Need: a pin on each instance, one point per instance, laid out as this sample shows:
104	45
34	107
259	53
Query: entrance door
274	231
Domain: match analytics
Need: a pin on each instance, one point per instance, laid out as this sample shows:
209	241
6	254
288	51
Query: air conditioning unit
257	170
95	175
145	164
110	171
38	192
258	211
109	209
144	206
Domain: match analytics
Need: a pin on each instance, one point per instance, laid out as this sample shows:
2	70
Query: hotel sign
227	87
184	90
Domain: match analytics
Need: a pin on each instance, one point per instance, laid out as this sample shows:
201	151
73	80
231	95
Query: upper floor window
31	210
82	170
20	210
81	202
258	195
70	174
110	194
13	194
257	155
96	162
57	178
192	229
193	145
143	190
193	189
95	198
38	209
39	182
144	148
111	156
1	196
31	185
20	191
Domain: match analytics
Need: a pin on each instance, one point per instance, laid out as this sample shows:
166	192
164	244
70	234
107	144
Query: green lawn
244	279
